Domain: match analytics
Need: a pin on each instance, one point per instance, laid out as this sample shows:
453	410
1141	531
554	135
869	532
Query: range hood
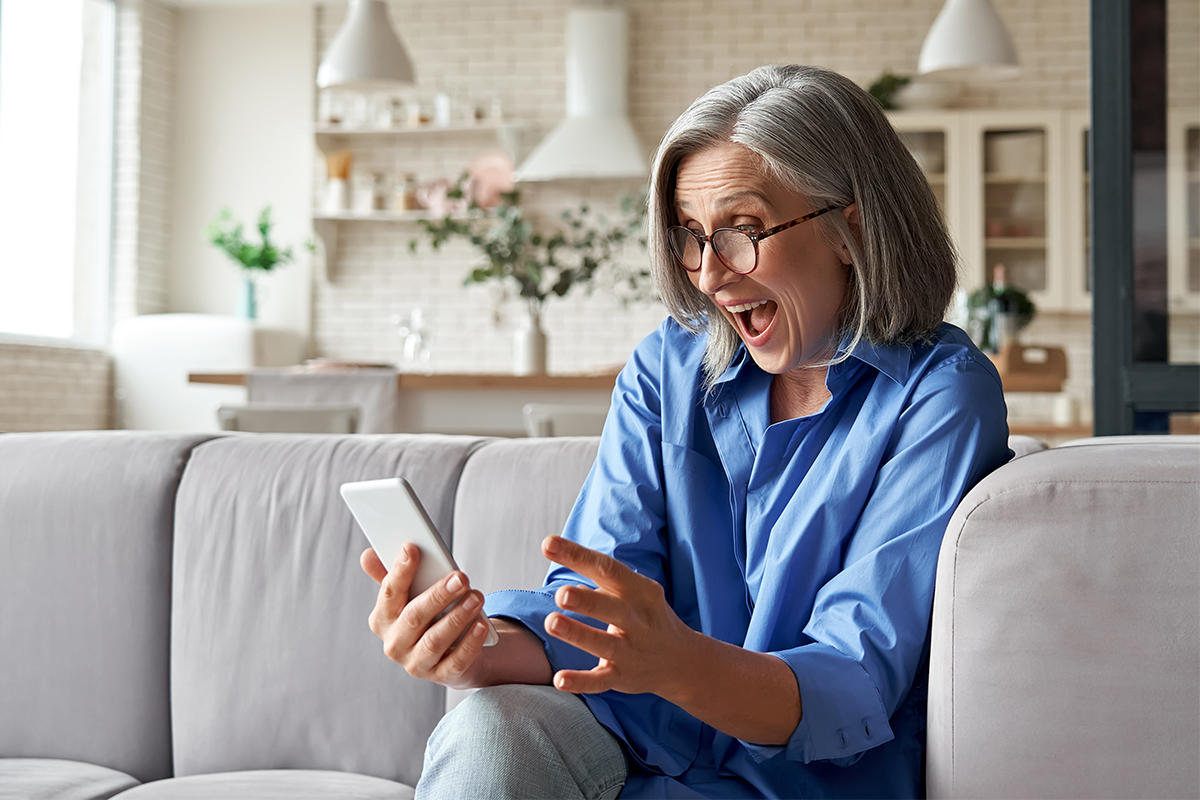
596	139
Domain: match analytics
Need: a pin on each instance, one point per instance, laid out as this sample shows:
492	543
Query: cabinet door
1183	210
1015	203
934	141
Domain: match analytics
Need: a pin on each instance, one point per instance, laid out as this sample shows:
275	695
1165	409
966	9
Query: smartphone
390	514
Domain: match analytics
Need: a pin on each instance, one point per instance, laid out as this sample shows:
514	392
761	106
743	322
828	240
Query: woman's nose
713	275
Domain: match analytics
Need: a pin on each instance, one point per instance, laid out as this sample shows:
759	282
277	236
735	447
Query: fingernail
479	630
553	624
403	555
471	603
455	583
551	544
566	598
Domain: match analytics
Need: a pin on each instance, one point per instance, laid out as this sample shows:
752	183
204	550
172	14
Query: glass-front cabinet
1013	186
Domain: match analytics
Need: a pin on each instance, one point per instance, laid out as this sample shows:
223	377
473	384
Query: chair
545	419
280	418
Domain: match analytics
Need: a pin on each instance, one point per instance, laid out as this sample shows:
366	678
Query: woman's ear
850	213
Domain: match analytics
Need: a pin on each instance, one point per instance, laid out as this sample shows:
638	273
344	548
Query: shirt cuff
842	714
530	608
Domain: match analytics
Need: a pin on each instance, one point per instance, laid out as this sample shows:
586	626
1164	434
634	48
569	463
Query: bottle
1002	311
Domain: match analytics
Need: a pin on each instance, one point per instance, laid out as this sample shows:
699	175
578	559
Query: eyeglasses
737	249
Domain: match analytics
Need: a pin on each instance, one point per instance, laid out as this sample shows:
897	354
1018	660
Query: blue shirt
812	539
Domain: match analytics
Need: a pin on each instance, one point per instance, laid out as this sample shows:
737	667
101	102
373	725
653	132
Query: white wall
243	139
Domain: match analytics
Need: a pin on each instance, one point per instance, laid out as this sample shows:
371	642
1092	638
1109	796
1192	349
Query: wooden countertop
408	380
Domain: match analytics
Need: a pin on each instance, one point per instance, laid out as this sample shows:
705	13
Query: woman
740	602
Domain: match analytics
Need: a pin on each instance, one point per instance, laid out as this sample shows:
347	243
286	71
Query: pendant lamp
366	53
968	39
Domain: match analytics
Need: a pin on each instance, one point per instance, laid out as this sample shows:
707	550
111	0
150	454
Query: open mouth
753	318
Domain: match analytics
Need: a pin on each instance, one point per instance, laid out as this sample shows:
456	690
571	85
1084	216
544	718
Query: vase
248	304
529	344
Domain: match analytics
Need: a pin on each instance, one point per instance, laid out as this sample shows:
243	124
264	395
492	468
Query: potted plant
227	234
534	263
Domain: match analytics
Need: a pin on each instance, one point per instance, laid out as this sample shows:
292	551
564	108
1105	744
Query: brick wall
142	171
54	388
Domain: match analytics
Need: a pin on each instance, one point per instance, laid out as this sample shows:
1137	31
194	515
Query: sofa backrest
273	665
513	494
85	594
1065	658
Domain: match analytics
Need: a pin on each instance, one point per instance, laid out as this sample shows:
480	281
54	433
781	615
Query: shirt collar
892	360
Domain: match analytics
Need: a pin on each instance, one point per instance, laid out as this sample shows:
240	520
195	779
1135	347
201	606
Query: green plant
885	87
538	264
979	313
227	235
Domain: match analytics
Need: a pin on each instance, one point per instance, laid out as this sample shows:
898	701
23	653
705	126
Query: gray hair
822	136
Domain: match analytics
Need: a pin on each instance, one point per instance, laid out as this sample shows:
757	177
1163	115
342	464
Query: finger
591	603
372	565
590	681
465	652
444	634
602	644
422	610
606	571
393	589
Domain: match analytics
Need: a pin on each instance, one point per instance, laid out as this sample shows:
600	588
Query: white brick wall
142	173
54	388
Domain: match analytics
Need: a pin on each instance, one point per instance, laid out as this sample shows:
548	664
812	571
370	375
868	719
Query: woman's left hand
646	647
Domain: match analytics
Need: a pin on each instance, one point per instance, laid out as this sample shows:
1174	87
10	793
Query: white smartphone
390	514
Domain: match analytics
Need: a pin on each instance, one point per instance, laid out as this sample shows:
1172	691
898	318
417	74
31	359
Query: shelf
335	136
381	216
998	179
1015	243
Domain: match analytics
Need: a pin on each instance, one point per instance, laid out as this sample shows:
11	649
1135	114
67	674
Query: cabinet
429	151
1014	185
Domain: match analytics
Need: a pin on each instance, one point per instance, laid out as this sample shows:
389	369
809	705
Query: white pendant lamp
968	39
596	140
366	53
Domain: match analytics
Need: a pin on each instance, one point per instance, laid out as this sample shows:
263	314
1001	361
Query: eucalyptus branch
538	264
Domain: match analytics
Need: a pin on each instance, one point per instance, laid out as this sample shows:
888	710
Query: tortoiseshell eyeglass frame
754	238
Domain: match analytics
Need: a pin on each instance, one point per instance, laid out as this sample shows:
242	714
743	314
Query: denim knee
522	741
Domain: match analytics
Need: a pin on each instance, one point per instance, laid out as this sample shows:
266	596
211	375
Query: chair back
282	418
547	419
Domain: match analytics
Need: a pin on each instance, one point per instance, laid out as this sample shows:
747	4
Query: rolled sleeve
842	714
530	608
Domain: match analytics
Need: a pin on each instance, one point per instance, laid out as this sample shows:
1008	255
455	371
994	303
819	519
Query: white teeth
744	307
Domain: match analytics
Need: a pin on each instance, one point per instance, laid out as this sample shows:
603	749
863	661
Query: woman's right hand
446	650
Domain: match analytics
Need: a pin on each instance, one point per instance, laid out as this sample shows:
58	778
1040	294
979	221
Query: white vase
529	344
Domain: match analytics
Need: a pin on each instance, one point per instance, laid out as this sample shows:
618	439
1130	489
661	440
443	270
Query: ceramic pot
529	344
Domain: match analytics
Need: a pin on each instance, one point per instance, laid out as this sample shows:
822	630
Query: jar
405	198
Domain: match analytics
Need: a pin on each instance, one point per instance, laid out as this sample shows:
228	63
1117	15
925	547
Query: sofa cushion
1066	629
56	779
293	784
85	585
498	531
273	665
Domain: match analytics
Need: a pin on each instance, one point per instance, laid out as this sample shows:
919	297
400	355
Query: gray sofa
183	615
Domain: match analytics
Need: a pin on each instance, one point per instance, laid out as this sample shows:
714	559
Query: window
57	62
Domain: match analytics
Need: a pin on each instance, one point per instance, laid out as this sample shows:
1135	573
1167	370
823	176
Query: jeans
521	742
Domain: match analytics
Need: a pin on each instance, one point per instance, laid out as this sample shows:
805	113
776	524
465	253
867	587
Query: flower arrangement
537	264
